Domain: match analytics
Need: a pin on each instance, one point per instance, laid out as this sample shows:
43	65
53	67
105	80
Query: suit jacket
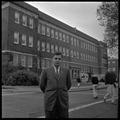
54	85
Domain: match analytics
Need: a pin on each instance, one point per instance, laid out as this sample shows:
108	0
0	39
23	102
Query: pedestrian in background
78	81
55	83
94	80
110	79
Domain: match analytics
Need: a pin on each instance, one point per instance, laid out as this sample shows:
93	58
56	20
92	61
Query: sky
81	15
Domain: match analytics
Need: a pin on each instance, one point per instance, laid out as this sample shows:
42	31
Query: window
16	37
56	48
74	53
30	41
52	33
63	51
56	34
75	41
60	35
88	46
43	63
23	40
29	61
43	46
23	60
52	48
15	59
48	47
31	23
43	29
81	44
71	40
60	49
38	62
67	52
17	17
24	20
71	53
39	28
67	38
64	37
113	69
113	62
48	31
38	45
81	56
77	55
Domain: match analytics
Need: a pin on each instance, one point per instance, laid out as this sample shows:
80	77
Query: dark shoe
104	100
96	97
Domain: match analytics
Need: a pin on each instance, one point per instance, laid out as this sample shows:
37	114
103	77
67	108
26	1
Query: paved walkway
11	89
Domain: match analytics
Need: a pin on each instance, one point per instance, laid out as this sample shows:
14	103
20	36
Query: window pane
64	37
39	28
52	48
56	34
23	60
30	41
48	47
60	36
31	23
17	16
24	20
23	39
48	31
43	46
16	37
29	61
38	45
52	33
38	63
15	59
43	29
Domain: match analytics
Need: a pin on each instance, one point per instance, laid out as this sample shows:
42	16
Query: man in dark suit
55	83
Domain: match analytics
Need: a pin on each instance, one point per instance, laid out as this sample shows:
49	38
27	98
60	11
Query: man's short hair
58	53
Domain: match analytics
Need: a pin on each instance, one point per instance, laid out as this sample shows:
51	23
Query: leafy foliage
23	77
107	15
18	75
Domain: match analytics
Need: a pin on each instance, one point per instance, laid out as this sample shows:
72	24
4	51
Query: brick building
30	38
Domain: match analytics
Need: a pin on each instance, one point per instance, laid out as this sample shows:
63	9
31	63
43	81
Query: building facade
30	38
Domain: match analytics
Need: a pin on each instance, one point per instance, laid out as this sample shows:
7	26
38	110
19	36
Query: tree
107	15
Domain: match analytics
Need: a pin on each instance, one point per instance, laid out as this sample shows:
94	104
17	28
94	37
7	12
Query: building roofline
54	21
65	26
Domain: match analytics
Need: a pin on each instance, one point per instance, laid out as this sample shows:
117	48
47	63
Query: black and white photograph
60	59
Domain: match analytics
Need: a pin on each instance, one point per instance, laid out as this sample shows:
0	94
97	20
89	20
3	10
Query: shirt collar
56	69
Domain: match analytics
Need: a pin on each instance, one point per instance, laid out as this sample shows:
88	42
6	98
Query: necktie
57	70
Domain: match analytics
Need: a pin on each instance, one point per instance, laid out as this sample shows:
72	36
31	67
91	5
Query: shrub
23	77
7	70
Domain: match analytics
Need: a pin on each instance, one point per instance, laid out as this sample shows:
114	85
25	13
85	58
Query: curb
14	90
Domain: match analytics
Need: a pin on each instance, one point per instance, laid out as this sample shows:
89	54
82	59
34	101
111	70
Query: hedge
23	77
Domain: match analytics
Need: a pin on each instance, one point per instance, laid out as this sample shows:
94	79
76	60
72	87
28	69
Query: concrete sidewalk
12	89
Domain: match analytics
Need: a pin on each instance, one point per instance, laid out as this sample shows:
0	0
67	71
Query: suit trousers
57	111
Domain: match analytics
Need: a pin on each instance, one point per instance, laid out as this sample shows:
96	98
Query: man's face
57	60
